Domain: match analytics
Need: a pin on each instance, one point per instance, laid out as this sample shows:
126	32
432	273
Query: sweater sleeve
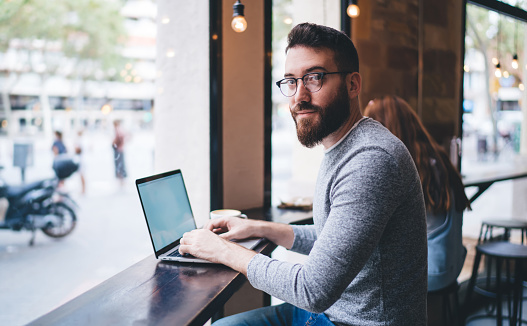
305	237
363	197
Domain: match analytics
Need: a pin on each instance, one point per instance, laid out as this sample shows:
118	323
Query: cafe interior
217	63
416	49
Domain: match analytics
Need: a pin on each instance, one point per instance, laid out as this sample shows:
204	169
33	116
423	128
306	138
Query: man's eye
314	77
289	82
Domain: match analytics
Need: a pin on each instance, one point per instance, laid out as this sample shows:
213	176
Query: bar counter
152	292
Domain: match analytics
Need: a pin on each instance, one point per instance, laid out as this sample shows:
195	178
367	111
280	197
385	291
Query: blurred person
79	149
366	251
118	152
443	189
58	146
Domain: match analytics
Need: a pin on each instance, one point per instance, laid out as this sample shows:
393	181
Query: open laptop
168	215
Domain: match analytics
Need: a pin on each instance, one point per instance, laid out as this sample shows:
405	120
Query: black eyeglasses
312	82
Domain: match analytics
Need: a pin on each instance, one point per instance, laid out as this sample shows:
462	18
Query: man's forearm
238	257
279	233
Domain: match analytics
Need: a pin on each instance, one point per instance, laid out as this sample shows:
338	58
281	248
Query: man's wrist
260	228
238	257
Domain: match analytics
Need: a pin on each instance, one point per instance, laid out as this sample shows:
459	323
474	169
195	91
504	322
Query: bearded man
366	251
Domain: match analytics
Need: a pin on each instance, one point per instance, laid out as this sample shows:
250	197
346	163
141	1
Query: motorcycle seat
18	191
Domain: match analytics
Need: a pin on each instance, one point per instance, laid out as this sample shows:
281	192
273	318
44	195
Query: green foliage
86	30
498	35
281	11
29	19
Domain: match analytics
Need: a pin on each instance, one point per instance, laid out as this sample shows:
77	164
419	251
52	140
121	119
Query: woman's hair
398	117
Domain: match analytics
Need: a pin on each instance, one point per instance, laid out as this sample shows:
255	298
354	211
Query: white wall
181	112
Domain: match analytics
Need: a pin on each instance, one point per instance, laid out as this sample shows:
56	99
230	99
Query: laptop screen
166	207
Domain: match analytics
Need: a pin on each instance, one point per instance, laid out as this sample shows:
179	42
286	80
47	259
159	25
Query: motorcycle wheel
68	220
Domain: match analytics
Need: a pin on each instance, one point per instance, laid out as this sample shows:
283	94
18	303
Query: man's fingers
183	249
226	236
211	226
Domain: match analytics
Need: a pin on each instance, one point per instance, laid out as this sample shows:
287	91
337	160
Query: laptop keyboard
176	253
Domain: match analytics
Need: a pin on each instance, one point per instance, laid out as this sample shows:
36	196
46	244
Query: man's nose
302	94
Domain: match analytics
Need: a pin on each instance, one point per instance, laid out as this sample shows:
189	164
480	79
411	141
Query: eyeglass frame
321	73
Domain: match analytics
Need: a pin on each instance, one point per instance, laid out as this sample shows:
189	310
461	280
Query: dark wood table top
153	292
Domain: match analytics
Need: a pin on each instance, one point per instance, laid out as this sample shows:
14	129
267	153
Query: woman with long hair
443	189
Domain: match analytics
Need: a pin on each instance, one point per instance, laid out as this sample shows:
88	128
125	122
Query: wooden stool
500	251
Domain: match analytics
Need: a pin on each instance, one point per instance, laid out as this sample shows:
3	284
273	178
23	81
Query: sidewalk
110	234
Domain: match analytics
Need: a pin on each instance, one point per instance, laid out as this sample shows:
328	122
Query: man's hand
237	228
231	228
212	242
205	244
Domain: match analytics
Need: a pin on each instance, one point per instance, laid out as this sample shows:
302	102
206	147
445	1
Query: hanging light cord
515	37
499	34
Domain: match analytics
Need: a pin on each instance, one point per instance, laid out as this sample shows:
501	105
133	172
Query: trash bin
23	157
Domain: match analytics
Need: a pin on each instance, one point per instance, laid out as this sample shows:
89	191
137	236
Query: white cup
226	213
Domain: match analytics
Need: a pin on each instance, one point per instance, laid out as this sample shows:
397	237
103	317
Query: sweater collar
344	137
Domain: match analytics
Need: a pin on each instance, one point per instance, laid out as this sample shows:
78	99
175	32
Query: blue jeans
284	314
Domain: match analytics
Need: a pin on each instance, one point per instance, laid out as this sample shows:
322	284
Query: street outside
110	236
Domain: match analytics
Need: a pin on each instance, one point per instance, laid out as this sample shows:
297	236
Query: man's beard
311	132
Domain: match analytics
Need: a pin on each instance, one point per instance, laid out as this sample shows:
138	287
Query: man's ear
354	84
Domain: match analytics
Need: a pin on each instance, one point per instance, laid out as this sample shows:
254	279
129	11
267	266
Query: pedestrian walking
79	149
58	146
118	152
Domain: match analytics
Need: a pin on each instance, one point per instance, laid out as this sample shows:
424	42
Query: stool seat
506	223
503	250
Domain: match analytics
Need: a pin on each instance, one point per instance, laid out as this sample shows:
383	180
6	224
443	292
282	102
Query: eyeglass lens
312	82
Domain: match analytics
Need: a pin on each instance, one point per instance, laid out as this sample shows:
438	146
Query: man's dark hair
318	36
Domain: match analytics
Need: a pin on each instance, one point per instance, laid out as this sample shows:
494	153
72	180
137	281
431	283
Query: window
494	105
294	168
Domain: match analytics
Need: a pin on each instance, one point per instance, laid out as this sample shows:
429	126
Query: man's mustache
304	107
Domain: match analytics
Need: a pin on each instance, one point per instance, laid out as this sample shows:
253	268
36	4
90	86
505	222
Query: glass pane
494	105
294	168
73	67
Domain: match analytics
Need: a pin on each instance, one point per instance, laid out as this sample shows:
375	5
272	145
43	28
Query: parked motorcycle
39	205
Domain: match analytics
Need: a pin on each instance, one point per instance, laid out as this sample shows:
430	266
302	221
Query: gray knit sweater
367	250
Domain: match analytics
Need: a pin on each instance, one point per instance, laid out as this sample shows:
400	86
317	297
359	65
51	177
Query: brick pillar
386	37
390	50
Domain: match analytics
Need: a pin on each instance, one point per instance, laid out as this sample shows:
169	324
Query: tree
78	39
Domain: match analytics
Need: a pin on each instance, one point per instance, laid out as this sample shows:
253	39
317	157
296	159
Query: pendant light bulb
353	9
514	62
238	24
497	72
